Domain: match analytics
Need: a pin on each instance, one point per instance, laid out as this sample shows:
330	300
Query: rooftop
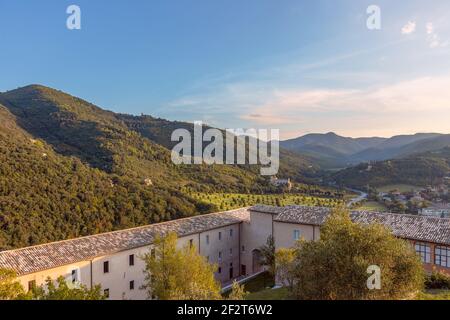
421	228
52	255
56	254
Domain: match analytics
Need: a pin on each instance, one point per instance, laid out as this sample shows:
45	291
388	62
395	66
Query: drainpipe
92	276
239	249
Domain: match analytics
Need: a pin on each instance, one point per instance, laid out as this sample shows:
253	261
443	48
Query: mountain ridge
333	151
69	168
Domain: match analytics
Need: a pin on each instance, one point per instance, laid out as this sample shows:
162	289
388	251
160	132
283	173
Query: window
231	252
231	233
296	235
442	256
106	267
219	270
74	276
106	293
132	285
131	260
191	243
243	248
31	285
207	239
220	255
220	235
243	270
424	251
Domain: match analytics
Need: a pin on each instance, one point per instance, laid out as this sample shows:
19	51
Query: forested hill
428	168
69	168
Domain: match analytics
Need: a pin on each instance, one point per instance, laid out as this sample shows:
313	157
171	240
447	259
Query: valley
69	169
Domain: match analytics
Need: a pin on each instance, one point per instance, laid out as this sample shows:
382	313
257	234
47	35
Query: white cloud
434	39
430	28
409	28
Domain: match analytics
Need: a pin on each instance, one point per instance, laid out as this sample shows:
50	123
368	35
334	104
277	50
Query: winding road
362	196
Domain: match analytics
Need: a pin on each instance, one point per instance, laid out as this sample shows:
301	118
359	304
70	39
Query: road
362	196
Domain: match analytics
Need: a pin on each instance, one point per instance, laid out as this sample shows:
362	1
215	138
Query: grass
229	201
270	294
434	295
260	282
260	288
399	187
373	206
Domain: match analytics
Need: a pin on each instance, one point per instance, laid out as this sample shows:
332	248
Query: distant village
430	201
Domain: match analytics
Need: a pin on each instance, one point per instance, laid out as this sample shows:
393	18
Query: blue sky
300	66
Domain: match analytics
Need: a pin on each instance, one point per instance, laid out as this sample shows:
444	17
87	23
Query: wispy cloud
434	39
409	28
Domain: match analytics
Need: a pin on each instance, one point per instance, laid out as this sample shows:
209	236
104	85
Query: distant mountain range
332	151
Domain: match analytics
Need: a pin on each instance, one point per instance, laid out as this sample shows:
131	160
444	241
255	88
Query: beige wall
83	267
117	280
228	246
284	233
254	235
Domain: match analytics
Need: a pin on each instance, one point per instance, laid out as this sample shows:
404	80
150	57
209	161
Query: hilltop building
230	239
281	182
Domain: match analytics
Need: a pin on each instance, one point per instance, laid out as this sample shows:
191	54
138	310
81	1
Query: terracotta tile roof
47	256
421	228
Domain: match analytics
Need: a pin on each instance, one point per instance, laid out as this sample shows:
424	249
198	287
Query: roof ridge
122	230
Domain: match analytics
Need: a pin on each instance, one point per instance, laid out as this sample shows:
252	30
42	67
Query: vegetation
335	267
418	170
237	292
268	255
62	291
437	280
445	295
179	274
229	201
10	288
398	187
69	169
285	266
372	206
270	294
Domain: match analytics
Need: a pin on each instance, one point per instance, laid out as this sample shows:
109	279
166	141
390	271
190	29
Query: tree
237	292
268	255
179	274
336	266
285	266
61	290
10	288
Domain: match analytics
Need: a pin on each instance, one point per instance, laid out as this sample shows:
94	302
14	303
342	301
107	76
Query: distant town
427	201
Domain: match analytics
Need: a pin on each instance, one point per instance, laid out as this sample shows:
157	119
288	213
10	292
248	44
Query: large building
230	239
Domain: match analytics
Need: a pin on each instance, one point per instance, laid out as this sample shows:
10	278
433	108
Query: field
373	206
400	187
229	201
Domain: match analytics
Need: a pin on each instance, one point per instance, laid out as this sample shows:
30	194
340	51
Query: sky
299	66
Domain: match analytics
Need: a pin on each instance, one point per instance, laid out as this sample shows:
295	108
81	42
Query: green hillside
69	168
420	170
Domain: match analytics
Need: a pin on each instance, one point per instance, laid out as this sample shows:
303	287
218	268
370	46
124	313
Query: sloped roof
47	256
421	228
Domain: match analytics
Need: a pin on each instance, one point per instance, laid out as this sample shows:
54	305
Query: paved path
362	196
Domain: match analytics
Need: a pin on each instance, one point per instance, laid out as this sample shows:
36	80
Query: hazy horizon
315	68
